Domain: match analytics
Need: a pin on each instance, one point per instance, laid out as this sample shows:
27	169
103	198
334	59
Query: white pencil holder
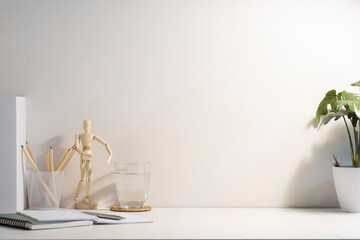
44	189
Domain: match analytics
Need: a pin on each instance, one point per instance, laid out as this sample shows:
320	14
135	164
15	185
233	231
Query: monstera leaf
329	99
353	118
349	101
333	114
356	84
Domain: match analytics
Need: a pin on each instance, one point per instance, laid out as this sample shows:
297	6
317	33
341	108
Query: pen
103	215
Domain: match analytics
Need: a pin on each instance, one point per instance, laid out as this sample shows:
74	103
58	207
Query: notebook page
56	215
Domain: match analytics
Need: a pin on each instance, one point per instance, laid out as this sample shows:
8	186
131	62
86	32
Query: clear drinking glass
132	183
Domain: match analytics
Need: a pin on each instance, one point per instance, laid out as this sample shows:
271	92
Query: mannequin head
87	126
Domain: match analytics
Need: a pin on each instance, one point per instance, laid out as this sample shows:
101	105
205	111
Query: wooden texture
29	150
86	171
120	209
47	159
51	159
62	161
83	205
67	159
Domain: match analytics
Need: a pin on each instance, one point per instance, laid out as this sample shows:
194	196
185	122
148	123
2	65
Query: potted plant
345	105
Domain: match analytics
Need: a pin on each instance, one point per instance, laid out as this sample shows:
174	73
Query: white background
219	95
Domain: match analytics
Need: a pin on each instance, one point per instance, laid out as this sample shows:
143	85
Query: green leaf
329	99
353	118
350	101
333	114
356	84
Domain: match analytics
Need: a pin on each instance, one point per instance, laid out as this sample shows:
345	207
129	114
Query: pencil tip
50	147
26	142
22	146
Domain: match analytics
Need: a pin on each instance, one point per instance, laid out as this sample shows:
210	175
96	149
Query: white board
12	136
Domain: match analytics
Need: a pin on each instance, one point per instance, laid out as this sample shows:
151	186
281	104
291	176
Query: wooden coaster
120	209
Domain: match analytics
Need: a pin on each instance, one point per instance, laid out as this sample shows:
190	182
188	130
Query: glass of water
132	183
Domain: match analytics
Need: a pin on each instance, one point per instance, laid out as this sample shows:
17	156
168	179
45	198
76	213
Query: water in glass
132	189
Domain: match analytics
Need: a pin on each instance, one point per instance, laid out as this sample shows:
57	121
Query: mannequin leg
89	179
82	180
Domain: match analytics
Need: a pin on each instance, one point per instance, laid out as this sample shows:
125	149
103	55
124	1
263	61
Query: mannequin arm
107	147
77	138
77	149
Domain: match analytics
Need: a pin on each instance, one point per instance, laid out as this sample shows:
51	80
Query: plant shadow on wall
312	184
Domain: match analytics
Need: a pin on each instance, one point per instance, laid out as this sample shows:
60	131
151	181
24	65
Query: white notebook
20	221
73	215
56	215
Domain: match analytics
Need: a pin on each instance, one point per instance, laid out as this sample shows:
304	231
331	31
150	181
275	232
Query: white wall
219	95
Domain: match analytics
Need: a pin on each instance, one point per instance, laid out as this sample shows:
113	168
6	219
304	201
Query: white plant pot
347	185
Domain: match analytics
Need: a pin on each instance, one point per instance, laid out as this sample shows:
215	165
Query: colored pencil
31	161
38	174
72	152
62	161
29	150
47	160
51	159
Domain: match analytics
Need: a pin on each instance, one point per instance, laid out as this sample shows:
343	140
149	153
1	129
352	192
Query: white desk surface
210	223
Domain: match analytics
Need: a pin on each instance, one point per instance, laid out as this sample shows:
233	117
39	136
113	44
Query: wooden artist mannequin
86	140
